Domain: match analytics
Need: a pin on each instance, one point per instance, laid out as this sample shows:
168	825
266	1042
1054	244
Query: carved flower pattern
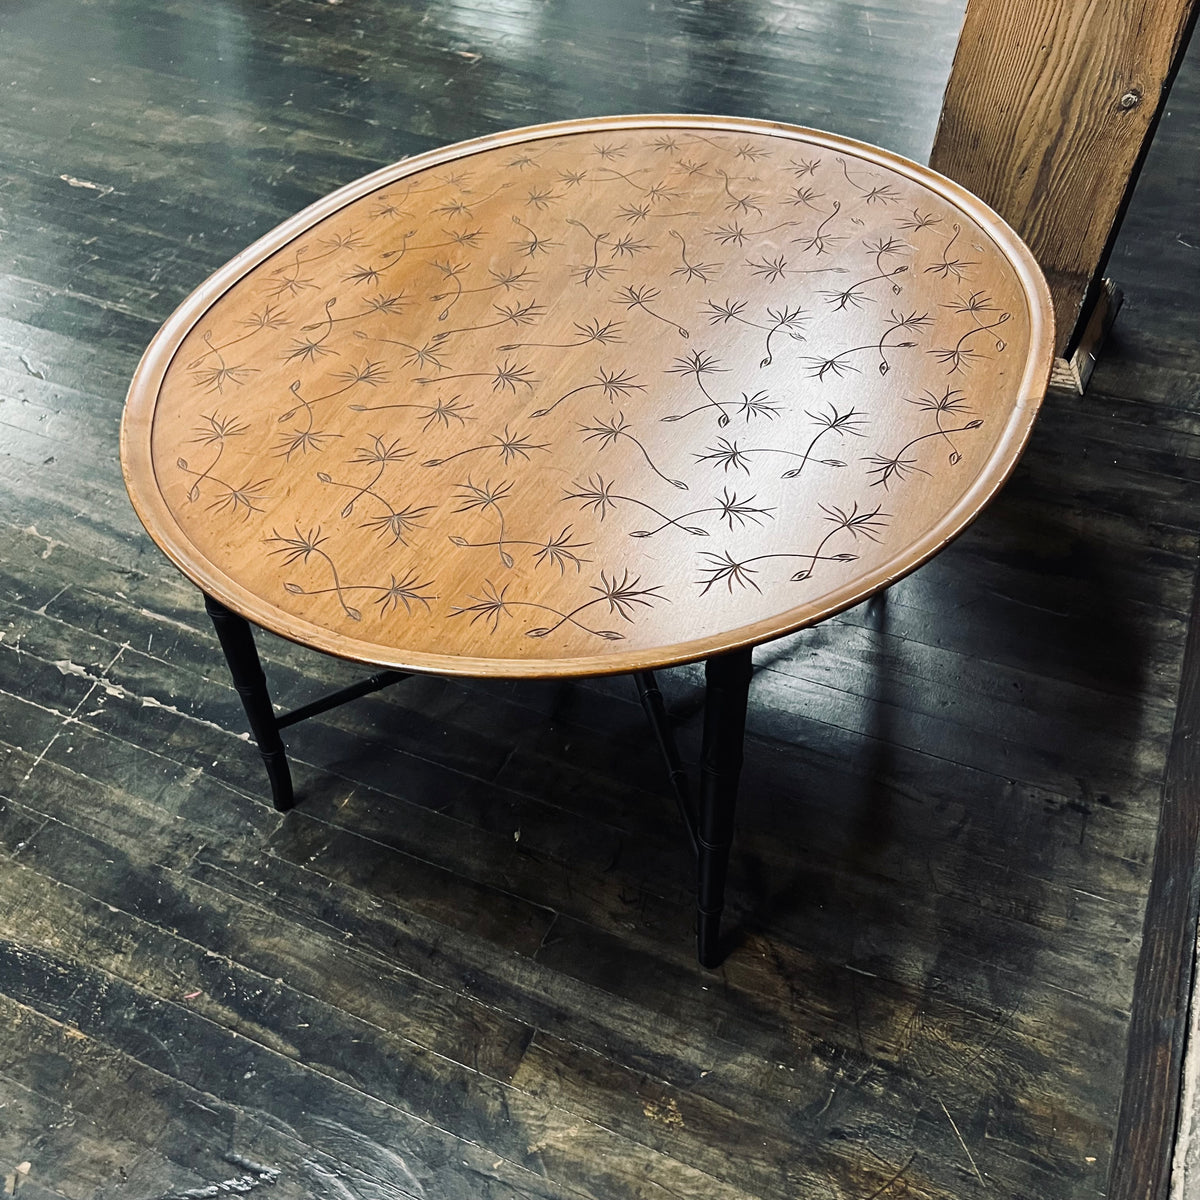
594	390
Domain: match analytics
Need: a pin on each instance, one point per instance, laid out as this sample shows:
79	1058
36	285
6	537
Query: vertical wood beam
1048	114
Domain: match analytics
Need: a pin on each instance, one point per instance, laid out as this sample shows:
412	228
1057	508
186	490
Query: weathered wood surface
462	967
1047	116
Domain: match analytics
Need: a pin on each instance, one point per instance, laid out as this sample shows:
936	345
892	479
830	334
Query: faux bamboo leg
237	641
728	683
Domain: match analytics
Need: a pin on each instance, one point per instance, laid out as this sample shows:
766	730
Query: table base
709	822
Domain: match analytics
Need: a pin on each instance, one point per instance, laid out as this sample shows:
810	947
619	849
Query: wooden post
1048	114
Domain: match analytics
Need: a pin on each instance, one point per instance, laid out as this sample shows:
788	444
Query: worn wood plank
263	1007
135	1106
1046	117
950	804
93	1160
625	978
178	1042
1165	969
127	693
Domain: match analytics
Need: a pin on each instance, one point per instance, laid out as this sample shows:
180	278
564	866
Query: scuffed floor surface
463	969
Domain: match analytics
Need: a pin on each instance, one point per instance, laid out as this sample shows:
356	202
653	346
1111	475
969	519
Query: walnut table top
590	397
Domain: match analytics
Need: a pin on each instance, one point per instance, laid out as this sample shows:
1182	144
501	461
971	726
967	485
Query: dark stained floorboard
463	969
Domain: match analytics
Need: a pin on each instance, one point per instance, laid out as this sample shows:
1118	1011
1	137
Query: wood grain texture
1048	115
463	966
1166	964
471	413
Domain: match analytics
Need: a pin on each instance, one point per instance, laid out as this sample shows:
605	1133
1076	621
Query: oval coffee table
591	397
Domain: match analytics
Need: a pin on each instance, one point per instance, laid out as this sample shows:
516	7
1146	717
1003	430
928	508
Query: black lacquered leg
728	684
237	641
656	713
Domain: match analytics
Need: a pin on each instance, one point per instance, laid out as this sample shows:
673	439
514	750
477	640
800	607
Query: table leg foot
237	641
727	679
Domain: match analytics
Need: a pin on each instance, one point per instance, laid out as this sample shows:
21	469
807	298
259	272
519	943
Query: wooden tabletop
591	396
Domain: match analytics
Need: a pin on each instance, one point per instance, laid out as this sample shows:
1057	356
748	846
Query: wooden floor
463	969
